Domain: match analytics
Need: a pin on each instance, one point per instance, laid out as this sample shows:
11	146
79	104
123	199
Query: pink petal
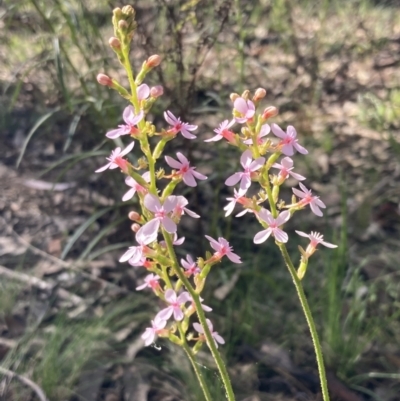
300	148
189	180
129	195
316	210
198	327
170	203
283	217
128	111
233	179
302	234
240	105
178	314
115	133
170	118
288	150
127	149
280	235
299	193
233	257
257	164
169	225
287	162
99	170
152	203
173	163
170	296
182	158
262	236
148	232
143	92
246	158
277	130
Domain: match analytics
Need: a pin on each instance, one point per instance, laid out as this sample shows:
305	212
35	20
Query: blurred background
70	318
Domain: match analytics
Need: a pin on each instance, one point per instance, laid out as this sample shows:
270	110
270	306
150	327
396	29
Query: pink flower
180	208
149	231
289	142
264	131
183	166
237	198
178	125
223	248
175	305
190	266
116	160
150	281
143	92
245	108
223	132
315	239
286	168
307	199
141	262
273	228
130	121
157	325
135	186
134	254
217	338
249	167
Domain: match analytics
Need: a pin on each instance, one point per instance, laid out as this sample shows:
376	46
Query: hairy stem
310	320
200	314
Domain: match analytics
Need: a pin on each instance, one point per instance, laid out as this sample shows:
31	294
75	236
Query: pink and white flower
175	305
223	132
157	325
134	254
116	159
245	108
286	167
264	131
180	208
190	266
315	239
179	126
249	166
217	338
150	229
150	281
129	128
288	142
308	199
238	197
273	228
187	173
135	186
222	248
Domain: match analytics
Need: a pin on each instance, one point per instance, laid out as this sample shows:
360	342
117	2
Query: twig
42	285
38	391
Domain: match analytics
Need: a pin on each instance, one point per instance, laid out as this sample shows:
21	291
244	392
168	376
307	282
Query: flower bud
135	216
128	11
233	96
122	25
114	43
246	94
153	61
117	12
135	227
105	80
259	94
270	111
156	91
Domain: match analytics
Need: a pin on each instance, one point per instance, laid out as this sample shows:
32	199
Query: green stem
196	369
310	320
200	314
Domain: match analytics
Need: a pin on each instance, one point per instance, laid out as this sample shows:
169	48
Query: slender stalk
196	369
310	320
200	314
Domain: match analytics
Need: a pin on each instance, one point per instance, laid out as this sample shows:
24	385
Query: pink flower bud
134	216
156	91
114	43
259	94
270	111
153	61
122	25
105	80
135	227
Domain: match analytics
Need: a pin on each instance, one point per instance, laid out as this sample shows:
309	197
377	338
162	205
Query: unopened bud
234	96
270	111
122	25
156	91
134	216
105	80
128	11
114	43
117	12
135	227
153	61
246	94
259	94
